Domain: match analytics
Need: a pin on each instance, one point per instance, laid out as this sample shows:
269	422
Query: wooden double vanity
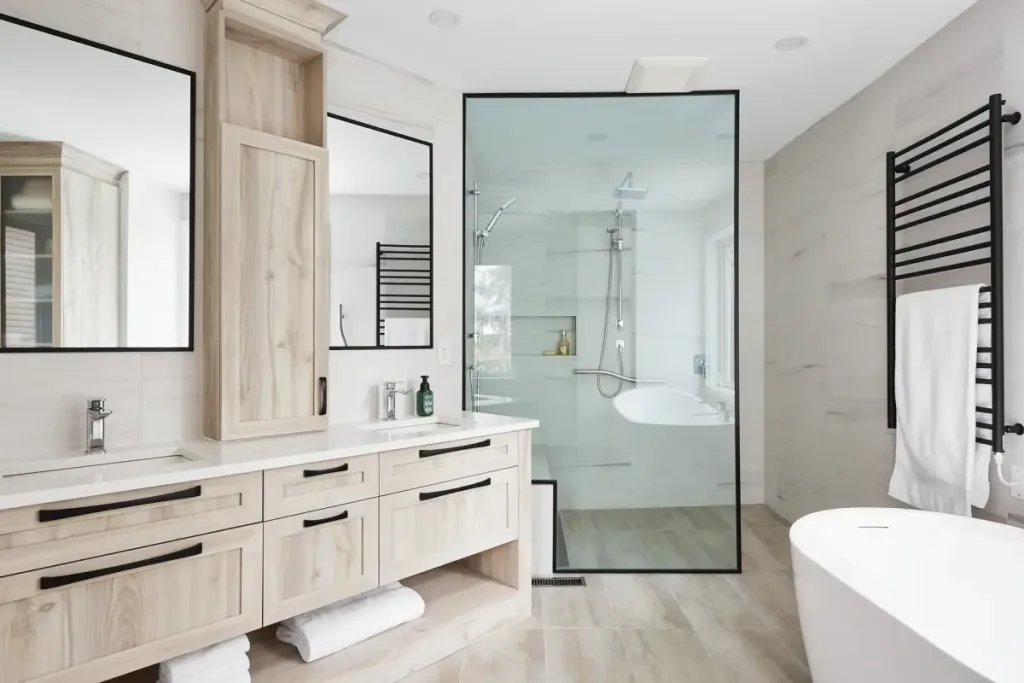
106	569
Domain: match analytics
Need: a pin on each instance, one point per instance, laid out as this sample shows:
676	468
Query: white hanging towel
938	464
348	622
407	331
195	666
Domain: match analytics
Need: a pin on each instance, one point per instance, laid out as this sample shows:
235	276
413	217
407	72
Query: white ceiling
367	161
590	45
679	148
124	111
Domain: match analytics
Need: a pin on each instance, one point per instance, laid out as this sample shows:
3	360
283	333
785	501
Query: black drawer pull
323	396
306	523
453	449
48	582
67	513
329	470
430	495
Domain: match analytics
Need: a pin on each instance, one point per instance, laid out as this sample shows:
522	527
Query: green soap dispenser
425	398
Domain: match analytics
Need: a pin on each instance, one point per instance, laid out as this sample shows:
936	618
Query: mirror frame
430	251
192	196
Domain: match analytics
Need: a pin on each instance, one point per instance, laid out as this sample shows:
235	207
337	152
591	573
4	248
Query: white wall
827	442
155	396
358	222
156	264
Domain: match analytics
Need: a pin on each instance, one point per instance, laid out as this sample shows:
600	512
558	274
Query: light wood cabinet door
45	535
318	558
294	490
411	468
435	525
100	618
274	265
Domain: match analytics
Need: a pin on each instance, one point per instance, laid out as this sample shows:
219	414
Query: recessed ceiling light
443	18
597	137
422	175
792	43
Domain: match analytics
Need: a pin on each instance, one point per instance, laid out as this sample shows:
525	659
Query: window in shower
720	305
608	220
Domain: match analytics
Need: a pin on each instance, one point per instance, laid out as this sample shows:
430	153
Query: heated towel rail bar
984	127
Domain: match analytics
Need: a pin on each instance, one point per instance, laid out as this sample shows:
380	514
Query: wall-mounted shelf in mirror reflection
97	179
381	214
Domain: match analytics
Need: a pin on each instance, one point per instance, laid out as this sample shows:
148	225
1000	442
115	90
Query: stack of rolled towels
348	622
226	662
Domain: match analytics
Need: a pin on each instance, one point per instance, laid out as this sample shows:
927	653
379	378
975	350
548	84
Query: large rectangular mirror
96	196
381	214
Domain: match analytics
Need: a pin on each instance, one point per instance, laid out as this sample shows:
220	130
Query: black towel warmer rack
406	271
901	165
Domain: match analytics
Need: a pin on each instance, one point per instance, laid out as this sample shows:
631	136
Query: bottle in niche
425	398
563	343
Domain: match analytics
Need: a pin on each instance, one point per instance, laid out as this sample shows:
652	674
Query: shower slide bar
609	373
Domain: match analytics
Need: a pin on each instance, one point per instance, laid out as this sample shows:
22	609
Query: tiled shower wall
827	444
155	396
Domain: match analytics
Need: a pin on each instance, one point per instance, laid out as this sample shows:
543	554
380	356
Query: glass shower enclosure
600	299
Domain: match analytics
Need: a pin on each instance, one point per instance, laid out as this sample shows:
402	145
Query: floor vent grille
560	582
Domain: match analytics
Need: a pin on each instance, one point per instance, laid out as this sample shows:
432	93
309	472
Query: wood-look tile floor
645	628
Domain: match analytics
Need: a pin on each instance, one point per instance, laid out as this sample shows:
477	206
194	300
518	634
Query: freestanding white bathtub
903	596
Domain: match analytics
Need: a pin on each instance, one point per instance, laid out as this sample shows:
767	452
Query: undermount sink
667	406
91	469
421	426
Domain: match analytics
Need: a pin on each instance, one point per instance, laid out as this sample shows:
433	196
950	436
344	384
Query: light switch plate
1017	475
444	352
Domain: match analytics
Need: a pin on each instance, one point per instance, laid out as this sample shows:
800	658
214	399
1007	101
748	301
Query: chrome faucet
391	392
95	421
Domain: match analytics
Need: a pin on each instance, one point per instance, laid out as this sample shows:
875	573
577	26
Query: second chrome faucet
96	415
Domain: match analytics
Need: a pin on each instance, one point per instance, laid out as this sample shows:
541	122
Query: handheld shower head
497	214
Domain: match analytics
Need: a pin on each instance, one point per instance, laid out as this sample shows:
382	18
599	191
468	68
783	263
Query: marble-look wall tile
827	444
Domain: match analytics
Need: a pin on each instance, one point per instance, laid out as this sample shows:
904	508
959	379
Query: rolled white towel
220	675
21	202
194	666
348	622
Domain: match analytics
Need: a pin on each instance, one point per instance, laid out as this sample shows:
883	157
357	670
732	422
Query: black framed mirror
97	187
382	231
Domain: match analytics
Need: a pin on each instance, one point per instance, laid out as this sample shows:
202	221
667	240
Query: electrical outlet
444	352
1017	475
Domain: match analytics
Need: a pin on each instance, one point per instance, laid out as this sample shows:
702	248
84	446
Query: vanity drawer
103	617
293	490
318	558
414	467
46	535
431	526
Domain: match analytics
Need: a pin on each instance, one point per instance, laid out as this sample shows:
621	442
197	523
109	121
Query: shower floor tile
673	539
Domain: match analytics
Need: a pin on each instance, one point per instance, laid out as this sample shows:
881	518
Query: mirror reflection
95	196
381	233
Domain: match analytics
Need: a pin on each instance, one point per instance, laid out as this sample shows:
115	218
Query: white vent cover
663	74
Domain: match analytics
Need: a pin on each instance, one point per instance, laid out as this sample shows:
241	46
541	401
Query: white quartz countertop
46	481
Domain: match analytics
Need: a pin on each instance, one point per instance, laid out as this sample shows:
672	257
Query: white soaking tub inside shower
902	596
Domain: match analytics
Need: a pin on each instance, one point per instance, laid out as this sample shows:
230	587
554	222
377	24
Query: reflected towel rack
624	378
986	121
405	281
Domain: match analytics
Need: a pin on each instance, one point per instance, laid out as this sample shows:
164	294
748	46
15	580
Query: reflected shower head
497	214
625	190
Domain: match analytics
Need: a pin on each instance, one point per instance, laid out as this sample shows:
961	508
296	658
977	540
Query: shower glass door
600	300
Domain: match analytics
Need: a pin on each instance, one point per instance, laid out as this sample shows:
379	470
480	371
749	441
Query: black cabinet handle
452	449
67	513
48	582
329	470
306	523
430	495
323	395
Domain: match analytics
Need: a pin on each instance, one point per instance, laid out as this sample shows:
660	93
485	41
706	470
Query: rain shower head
497	214
625	190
